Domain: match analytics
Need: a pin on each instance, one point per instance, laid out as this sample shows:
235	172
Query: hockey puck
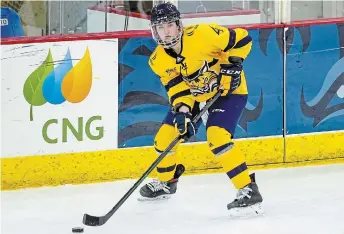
77	230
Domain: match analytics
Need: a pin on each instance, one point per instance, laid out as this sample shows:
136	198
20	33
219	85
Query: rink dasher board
111	165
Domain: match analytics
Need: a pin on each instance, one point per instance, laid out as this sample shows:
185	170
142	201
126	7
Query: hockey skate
248	201
158	190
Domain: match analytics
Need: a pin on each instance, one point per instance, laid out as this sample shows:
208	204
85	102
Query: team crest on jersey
205	81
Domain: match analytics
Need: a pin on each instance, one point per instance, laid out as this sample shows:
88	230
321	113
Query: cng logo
56	85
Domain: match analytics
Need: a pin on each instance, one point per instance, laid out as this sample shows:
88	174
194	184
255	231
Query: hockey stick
90	220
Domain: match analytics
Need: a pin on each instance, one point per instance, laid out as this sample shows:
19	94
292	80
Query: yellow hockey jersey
192	75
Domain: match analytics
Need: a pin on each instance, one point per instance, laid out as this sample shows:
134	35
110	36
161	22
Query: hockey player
193	63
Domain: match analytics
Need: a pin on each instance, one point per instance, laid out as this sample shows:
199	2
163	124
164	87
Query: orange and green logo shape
58	84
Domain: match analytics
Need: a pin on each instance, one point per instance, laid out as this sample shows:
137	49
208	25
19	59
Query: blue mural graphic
313	68
315	80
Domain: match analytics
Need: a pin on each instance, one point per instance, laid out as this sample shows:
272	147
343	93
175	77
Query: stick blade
90	220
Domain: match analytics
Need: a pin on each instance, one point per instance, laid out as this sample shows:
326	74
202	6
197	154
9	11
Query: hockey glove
183	124
229	77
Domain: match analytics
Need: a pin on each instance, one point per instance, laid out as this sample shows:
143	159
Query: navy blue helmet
165	13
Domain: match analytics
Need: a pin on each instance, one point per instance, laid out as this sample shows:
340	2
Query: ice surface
297	200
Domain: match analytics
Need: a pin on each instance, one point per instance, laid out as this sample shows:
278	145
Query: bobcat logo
205	81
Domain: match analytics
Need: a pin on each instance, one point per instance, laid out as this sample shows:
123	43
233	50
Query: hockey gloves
229	77
183	124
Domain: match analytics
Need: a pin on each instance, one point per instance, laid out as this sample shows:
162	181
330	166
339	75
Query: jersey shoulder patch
190	29
152	58
212	28
156	60
204	29
156	54
218	30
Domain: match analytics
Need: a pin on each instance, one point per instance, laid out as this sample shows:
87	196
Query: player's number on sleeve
217	30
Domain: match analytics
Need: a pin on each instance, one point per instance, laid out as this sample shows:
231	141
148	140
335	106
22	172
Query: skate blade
255	210
162	197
